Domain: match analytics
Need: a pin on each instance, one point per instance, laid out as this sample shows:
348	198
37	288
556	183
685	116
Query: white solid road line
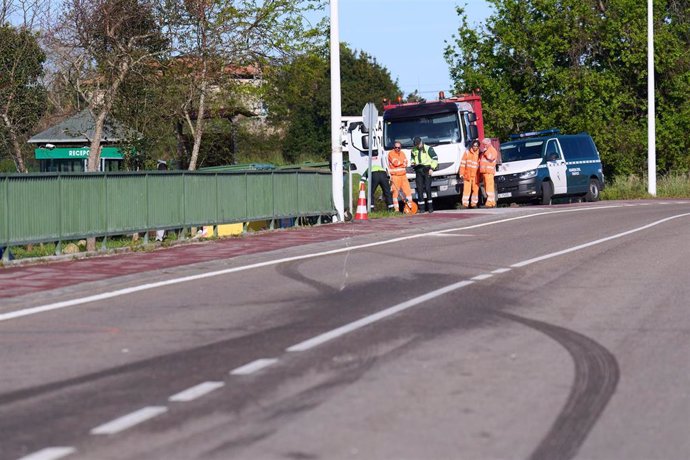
595	242
129	420
144	287
498	271
253	366
196	391
346	329
483	277
50	453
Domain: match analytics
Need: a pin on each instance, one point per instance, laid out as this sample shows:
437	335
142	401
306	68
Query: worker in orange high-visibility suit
397	168
469	171
487	169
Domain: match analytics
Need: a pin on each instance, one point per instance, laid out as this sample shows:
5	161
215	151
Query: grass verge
673	185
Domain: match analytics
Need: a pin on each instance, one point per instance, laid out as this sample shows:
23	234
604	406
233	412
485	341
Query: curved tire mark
291	270
596	377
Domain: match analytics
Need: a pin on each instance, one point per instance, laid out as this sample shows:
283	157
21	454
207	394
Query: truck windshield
437	129
517	151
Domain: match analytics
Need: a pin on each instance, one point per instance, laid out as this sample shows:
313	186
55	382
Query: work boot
430	207
420	206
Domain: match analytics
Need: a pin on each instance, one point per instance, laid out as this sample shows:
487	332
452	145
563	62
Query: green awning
66	153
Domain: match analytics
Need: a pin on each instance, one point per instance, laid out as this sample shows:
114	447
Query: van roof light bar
546	132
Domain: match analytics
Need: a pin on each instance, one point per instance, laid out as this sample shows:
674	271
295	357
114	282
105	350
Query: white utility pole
336	141
651	102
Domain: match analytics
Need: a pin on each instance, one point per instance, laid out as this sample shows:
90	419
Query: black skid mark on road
270	418
291	270
596	378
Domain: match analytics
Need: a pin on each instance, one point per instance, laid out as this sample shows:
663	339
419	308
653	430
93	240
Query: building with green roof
65	146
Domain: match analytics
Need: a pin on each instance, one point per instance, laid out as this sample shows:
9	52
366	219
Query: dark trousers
423	187
380	178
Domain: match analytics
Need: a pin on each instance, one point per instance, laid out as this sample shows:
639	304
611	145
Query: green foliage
299	93
22	97
141	106
258	142
581	66
7	166
363	80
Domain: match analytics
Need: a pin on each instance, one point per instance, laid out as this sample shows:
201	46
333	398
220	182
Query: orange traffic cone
361	213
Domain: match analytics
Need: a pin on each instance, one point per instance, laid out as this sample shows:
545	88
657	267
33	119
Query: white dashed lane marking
196	391
482	277
129	420
50	453
253	366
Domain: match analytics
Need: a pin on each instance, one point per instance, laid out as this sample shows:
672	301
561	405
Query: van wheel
546	192
593	191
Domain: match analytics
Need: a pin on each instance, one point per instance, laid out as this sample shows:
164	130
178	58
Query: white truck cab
447	125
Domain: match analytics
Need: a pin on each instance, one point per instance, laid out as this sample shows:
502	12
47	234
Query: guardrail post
299	205
217	223
104	246
58	246
7	211
184	206
148	201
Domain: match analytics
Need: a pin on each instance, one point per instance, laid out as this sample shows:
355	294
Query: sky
408	37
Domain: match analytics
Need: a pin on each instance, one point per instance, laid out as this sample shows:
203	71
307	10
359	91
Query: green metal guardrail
37	208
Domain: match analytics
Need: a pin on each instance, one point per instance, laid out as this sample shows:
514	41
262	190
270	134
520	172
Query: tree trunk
199	128
95	151
104	109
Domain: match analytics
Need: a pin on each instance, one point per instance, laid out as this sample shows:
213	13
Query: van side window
579	148
552	151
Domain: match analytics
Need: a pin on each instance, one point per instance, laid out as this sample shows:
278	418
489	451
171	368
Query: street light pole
651	102
336	145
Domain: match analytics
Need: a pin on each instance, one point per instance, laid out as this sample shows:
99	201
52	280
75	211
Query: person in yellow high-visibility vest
424	161
487	169
469	172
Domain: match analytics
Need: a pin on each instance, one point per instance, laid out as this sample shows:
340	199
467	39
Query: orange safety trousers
490	189
470	187
400	183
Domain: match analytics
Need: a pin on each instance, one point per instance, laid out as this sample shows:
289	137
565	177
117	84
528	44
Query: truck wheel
593	191
546	192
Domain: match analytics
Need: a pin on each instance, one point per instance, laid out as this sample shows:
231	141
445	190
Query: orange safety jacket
397	163
487	162
469	165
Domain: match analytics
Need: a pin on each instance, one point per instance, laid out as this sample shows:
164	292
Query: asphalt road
532	333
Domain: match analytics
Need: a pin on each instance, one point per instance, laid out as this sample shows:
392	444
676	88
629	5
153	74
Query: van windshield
434	129
518	151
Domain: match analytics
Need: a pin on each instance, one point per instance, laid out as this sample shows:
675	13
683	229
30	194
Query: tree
415	97
299	96
579	66
213	37
22	97
97	45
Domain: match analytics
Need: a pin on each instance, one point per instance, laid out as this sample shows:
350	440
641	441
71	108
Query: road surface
555	332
